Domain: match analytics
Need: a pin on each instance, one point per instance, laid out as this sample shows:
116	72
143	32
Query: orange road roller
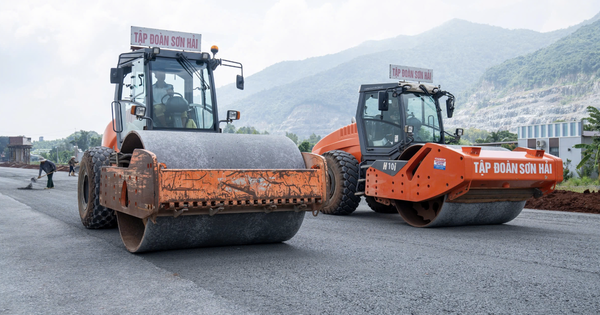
399	157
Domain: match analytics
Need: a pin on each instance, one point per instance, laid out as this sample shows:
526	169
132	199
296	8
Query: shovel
34	179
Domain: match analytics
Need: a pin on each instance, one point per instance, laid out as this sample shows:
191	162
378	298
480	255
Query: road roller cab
169	178
164	89
398	155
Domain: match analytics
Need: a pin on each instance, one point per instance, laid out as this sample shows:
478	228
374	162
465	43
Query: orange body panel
345	139
437	170
109	138
147	188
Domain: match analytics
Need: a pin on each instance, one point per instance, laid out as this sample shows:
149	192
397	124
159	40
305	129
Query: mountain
318	95
289	71
555	83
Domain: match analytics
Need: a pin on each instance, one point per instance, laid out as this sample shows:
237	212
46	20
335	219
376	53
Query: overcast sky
55	56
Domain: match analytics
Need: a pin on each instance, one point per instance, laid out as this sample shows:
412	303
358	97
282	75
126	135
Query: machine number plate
389	167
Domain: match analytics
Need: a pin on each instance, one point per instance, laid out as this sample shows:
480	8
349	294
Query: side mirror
383	99
450	106
239	82
116	75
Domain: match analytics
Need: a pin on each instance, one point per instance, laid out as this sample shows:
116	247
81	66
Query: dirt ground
560	200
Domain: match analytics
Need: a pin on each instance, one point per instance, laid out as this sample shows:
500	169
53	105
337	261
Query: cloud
56	54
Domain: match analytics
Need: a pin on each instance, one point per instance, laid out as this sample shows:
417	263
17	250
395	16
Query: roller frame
417	180
148	189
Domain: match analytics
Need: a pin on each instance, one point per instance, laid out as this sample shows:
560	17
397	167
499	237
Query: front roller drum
439	212
141	235
212	151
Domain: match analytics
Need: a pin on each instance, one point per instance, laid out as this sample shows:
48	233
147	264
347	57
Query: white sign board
411	74
149	37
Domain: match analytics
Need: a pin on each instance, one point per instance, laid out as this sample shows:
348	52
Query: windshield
181	94
386	128
422	114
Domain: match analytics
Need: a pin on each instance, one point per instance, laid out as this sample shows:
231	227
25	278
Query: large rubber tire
379	207
93	215
342	170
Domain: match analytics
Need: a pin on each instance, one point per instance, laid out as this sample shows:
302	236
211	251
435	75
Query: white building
557	139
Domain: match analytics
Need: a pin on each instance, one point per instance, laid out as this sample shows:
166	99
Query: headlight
138	111
233	115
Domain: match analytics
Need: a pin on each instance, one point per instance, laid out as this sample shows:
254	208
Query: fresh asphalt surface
543	262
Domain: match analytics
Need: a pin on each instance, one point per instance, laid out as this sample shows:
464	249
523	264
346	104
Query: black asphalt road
543	262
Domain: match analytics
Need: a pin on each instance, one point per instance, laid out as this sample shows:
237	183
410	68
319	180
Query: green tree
566	171
82	141
4	148
310	143
3	143
500	136
304	146
230	128
313	139
590	152
248	130
95	141
474	135
59	157
292	136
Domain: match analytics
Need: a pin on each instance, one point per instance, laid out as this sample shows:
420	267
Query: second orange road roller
399	157
168	177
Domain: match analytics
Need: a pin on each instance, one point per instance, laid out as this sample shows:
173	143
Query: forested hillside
555	83
570	57
319	94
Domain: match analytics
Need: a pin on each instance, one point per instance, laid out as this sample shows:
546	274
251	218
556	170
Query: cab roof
412	87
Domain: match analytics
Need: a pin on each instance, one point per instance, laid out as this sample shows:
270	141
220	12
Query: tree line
59	150
305	145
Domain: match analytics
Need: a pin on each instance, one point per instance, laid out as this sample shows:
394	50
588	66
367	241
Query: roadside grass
580	184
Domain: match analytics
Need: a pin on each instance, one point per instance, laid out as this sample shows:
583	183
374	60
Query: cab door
131	92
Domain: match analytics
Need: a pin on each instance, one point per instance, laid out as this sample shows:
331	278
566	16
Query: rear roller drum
439	212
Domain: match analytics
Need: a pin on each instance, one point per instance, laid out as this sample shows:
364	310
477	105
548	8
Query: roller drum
192	150
440	213
205	231
198	150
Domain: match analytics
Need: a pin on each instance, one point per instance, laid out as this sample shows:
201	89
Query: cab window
383	128
421	113
133	93
181	95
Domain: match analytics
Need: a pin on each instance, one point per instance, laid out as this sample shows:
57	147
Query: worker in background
72	163
48	167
